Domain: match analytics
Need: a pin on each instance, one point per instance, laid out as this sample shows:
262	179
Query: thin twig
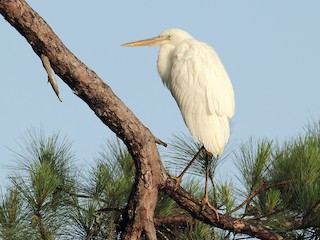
176	221
110	209
258	189
51	78
260	216
160	142
252	195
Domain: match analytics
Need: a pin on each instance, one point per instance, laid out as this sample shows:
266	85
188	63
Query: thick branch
207	215
110	109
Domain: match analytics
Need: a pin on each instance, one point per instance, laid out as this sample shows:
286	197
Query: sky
270	49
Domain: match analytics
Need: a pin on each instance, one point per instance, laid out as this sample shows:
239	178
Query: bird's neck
165	63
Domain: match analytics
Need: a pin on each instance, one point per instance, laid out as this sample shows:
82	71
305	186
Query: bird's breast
164	64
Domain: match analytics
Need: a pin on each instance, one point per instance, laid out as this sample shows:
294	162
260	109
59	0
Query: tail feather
212	131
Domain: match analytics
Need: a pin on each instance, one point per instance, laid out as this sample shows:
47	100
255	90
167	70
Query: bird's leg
179	178
205	200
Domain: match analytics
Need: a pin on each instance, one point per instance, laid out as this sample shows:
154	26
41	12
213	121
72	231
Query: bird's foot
205	202
178	181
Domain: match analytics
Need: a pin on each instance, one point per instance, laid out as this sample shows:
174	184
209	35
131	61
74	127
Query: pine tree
51	199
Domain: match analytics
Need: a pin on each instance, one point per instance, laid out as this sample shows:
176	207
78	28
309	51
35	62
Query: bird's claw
205	203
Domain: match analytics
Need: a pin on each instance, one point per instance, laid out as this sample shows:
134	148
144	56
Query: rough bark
110	109
150	174
207	215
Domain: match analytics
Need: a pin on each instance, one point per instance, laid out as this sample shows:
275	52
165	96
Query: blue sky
270	49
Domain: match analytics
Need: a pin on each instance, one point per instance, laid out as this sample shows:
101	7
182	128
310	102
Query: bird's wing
197	67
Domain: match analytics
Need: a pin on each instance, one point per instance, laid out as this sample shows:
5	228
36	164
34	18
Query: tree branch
260	188
252	195
180	221
207	215
51	78
150	173
110	109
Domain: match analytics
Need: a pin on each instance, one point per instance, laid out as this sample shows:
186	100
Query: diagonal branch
260	188
252	195
207	215
106	105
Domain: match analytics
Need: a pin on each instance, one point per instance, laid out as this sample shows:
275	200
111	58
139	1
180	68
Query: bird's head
171	36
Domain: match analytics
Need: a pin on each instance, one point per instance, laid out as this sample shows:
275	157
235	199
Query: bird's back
201	87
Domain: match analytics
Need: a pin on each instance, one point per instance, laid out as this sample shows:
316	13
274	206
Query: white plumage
194	74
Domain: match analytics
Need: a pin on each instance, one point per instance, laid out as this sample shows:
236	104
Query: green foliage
299	168
253	162
49	198
181	150
198	231
167	207
104	194
13	224
225	197
46	177
112	177
285	183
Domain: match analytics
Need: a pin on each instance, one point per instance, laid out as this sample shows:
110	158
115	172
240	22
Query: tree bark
150	173
110	109
207	215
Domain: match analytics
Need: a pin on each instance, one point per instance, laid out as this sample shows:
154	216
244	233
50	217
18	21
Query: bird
198	81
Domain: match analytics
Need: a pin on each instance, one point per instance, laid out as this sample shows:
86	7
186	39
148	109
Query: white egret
199	83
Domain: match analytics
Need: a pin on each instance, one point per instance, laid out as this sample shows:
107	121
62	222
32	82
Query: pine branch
303	224
177	221
260	188
252	195
207	215
312	208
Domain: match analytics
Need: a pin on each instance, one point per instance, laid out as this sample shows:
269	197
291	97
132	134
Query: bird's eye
169	36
